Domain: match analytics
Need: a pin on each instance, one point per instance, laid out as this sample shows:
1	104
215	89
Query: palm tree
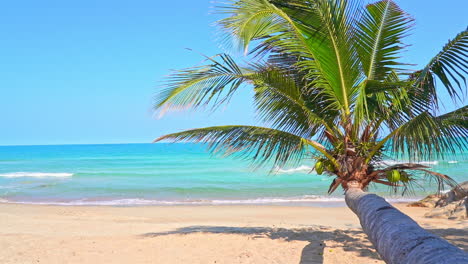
329	82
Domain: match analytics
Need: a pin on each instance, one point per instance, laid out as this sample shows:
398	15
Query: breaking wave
303	168
36	174
393	162
307	199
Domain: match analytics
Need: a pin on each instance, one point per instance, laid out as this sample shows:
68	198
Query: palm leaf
257	143
426	136
458	118
318	32
413	168
386	102
198	86
378	40
279	102
450	65
378	37
251	20
333	51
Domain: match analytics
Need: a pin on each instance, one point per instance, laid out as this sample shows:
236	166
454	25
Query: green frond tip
198	86
251	20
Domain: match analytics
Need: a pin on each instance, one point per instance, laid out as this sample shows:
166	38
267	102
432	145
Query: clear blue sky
74	72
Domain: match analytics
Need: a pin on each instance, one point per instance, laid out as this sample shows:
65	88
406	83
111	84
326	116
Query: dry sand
194	234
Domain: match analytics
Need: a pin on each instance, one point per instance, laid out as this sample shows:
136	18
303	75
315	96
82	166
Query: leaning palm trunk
396	237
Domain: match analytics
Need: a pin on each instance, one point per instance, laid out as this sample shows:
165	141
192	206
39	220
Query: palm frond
251	20
318	32
458	118
334	185
394	102
426	136
197	86
423	94
414	174
374	87
257	143
441	179
279	102
378	43
379	38
333	51
384	101
450	65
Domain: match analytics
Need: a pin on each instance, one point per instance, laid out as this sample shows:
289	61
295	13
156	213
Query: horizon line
77	144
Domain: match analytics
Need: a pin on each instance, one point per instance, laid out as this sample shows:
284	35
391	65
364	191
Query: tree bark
398	238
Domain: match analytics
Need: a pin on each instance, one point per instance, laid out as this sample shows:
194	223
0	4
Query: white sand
194	234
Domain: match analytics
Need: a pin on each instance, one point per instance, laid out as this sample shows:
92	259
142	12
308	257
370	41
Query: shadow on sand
458	237
318	238
349	239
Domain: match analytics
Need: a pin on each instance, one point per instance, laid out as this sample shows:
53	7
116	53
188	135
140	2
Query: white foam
301	199
138	201
453	161
36	174
302	168
393	162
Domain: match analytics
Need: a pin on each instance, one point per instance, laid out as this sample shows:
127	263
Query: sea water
171	174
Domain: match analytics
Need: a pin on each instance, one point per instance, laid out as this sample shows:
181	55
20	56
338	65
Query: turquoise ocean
170	174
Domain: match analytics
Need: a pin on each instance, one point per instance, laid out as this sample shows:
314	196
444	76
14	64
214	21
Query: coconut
404	176
330	167
319	167
393	176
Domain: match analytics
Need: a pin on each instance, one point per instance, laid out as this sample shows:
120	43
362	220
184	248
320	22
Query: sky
86	72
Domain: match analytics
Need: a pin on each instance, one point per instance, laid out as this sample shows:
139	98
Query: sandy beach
194	234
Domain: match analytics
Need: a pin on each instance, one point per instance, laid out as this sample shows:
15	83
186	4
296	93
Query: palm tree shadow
318	238
458	237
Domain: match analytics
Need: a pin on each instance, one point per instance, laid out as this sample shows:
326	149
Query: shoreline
195	234
307	200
